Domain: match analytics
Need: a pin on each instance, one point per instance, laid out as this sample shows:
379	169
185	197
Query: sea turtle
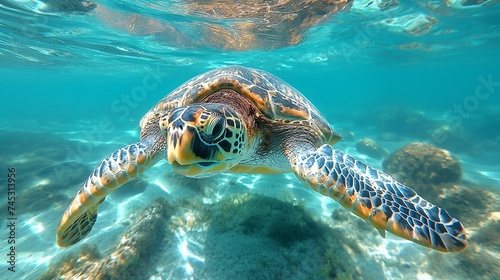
237	119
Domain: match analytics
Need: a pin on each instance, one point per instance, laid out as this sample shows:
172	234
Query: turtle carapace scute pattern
242	120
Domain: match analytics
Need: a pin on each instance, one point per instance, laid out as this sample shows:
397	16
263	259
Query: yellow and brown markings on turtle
272	97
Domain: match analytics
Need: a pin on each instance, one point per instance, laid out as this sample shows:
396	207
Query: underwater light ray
159	184
34	225
184	242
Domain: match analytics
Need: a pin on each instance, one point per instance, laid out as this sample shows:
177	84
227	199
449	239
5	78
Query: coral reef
249	236
423	167
257	237
244	236
371	148
131	259
435	174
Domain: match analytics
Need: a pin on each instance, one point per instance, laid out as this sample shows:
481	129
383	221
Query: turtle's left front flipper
378	198
115	170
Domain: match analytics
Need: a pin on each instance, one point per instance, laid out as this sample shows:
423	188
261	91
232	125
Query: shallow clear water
76	77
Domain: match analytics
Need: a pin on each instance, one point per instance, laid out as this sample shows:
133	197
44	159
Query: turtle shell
273	97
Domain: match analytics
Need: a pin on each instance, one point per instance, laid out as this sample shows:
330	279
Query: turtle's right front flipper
118	168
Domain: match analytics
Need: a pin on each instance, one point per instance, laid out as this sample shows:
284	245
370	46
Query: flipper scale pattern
378	198
115	170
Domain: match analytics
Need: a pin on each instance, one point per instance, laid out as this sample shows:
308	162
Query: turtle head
203	139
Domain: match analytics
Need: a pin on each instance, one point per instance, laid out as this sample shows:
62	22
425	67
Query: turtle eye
213	127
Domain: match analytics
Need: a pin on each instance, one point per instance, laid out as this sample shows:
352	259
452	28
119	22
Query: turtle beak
180	141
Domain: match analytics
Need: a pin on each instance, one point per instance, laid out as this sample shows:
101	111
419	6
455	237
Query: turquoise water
77	76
